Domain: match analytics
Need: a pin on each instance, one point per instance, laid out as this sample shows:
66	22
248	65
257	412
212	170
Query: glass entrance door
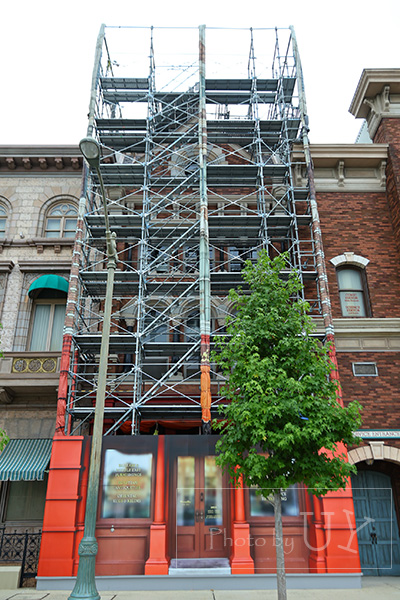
200	508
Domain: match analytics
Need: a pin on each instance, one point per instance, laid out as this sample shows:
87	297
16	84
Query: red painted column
158	563
58	547
333	538
63	384
337	510
241	561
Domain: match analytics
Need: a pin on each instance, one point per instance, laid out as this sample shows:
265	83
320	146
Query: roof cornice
371	84
46	160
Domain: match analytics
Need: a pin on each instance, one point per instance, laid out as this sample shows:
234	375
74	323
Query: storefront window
261	507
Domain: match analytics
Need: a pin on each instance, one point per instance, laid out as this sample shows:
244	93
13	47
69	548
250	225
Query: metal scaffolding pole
204	267
193	196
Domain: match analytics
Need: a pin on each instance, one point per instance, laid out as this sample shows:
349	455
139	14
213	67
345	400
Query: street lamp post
85	585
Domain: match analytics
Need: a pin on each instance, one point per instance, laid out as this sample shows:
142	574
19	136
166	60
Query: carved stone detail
6	396
34	365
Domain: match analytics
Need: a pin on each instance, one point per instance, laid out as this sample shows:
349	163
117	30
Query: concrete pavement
373	588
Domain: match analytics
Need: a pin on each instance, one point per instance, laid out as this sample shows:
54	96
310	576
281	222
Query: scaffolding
196	161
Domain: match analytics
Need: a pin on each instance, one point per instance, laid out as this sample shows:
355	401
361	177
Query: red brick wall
389	133
379	396
361	223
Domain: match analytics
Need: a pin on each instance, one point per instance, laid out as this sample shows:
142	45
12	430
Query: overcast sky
47	51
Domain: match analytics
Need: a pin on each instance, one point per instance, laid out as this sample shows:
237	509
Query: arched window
159	332
61	221
352	292
3	221
192	328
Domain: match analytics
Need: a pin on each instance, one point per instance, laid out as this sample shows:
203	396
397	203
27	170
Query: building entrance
200	508
377	527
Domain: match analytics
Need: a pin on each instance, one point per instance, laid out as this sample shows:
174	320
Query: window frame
364	290
5	217
4	500
355	364
52	302
60	233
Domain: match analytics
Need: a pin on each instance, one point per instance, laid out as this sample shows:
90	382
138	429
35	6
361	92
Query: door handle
374	538
199	515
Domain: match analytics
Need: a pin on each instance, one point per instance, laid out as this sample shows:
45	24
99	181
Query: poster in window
126	485
353	304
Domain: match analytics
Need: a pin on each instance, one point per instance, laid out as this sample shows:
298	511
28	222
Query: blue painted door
377	527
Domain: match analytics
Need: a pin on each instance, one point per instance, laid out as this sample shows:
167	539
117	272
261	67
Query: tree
282	424
4	439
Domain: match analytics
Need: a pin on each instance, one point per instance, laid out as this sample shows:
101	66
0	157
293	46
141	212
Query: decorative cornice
343	167
46	160
371	84
377	96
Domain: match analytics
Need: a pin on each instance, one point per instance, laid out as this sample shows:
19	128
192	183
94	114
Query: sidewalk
373	588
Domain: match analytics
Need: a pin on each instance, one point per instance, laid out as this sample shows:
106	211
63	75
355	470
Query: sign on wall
126	485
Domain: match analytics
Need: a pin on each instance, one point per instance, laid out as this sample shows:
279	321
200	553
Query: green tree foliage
281	399
4	439
282	424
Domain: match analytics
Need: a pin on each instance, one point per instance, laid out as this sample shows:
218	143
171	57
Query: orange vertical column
337	508
57	551
157	563
241	561
333	536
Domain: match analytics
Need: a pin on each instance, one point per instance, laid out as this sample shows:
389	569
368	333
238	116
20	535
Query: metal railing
23	549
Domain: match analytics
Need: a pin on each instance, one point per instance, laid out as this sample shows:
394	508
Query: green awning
49	282
25	460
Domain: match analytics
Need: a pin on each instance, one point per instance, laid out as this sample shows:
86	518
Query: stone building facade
39	195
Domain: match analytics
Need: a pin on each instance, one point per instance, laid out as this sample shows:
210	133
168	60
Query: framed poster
126	485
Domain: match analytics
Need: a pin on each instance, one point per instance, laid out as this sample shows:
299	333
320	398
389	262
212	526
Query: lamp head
90	149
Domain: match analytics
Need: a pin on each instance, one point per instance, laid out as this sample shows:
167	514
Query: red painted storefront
320	533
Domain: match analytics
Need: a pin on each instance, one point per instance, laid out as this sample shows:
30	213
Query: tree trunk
280	554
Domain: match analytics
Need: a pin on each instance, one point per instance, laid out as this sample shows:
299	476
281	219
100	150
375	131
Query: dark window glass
26	500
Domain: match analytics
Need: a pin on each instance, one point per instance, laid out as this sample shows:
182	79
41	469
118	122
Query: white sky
47	51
